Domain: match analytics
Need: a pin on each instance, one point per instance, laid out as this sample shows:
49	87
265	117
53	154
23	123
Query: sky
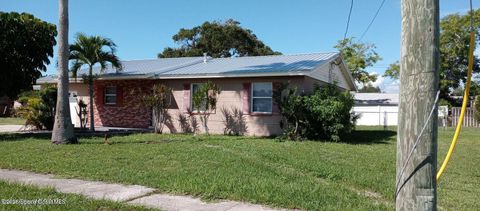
143	28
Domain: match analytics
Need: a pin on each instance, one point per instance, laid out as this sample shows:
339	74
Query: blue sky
142	28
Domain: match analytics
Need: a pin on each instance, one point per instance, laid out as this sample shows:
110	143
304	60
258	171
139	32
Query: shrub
292	108
38	108
204	101
325	114
234	121
328	113
159	100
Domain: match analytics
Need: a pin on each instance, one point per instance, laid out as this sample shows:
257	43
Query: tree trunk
63	132
419	80
205	123
90	95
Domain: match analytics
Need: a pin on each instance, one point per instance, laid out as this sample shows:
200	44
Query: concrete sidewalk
10	128
131	194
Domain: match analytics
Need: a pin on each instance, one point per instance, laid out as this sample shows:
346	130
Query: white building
376	108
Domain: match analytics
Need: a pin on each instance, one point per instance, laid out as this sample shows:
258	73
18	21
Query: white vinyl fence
377	115
388	116
468	121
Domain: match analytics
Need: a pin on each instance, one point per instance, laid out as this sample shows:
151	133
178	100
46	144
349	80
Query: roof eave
242	75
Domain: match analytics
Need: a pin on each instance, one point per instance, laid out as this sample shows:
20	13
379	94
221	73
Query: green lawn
11	121
307	175
25	193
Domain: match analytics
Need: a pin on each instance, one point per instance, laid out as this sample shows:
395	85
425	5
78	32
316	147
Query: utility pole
419	78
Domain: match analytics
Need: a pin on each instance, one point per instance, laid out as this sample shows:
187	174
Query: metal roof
370	99
147	66
255	64
188	67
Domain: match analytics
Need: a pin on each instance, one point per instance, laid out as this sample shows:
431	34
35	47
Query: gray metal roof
373	99
188	67
255	64
147	66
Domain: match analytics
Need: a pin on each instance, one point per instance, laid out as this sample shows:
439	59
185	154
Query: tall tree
454	45
358	57
62	127
217	39
393	71
89	51
26	43
369	88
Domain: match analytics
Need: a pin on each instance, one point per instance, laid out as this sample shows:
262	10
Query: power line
373	19
348	20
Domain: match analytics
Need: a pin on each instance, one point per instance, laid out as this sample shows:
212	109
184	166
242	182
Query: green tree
159	100
89	51
369	88
26	43
204	101
393	71
358	57
454	46
217	39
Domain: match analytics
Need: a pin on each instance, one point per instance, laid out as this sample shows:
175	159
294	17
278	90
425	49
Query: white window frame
105	95
252	97
191	97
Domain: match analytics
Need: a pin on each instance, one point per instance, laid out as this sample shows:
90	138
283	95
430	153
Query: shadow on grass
370	137
22	136
46	135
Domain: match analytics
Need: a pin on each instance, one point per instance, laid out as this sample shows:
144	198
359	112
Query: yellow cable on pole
464	106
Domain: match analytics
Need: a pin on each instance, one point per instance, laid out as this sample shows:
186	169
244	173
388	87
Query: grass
11	121
358	174
26	193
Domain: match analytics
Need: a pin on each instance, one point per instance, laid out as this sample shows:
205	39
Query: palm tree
63	128
89	51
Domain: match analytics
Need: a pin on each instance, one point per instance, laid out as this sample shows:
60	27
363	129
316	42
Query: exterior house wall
334	74
129	112
231	97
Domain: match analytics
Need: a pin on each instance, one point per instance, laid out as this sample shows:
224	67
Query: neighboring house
247	84
376	108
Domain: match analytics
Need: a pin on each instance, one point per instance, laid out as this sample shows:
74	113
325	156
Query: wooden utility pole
419	78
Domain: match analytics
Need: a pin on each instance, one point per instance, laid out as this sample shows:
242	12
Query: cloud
379	81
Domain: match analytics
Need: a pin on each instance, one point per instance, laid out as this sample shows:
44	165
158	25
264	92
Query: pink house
247	84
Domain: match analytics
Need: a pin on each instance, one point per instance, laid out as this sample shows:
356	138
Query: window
110	95
195	87
262	97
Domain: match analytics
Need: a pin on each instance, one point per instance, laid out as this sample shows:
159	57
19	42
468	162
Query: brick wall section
128	112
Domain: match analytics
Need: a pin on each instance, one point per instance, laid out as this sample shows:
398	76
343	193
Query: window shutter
275	87
246	97
119	96
186	97
99	95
